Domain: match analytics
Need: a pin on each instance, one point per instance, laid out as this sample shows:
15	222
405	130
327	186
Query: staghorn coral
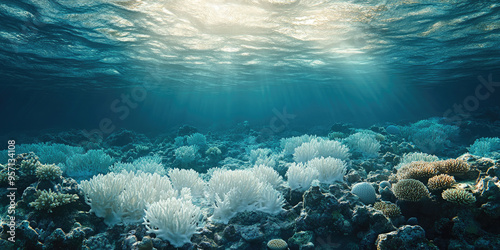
29	164
441	181
410	190
48	172
419	170
388	209
47	200
458	196
452	166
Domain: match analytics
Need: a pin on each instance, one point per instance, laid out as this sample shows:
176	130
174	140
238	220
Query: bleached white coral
334	149
300	176
485	147
267	175
365	143
91	163
271	200
174	220
233	191
186	154
263	156
416	156
306	152
330	169
183	178
122	197
147	164
320	148
289	144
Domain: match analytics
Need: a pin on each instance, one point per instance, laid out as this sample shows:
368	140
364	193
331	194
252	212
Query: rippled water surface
234	60
209	43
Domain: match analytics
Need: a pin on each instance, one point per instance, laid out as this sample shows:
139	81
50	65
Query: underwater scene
250	124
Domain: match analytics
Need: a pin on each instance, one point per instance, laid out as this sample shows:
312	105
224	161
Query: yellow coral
452	166
417	170
441	181
388	209
410	190
277	244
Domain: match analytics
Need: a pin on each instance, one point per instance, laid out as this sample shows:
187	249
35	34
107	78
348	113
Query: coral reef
240	190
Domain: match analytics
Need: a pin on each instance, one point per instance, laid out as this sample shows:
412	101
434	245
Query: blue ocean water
63	63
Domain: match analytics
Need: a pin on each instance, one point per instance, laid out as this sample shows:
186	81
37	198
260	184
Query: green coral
4	175
47	200
29	166
336	135
213	151
458	196
48	172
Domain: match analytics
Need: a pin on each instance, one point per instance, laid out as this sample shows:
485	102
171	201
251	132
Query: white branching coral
233	191
183	178
300	177
123	197
330	169
320	148
174	220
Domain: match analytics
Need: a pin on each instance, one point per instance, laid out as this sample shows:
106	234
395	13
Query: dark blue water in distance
64	63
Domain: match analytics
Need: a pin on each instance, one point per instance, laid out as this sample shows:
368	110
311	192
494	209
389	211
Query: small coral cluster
410	190
439	176
48	200
422	170
417	170
48	172
441	181
458	196
388	209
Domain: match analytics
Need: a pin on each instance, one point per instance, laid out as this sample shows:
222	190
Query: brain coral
365	192
277	244
410	190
